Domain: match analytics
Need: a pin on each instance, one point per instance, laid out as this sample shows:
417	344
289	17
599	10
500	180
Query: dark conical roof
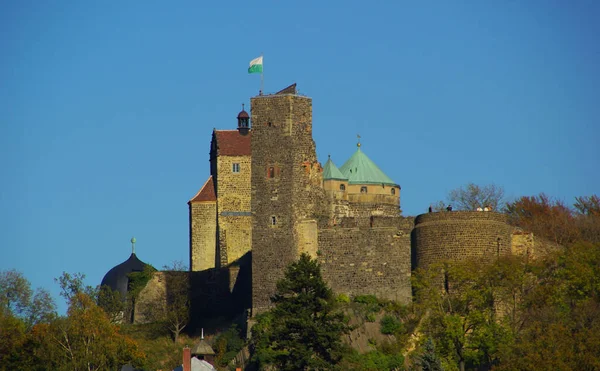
203	349
117	279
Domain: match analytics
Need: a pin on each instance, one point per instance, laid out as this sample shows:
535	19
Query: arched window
363	189
342	187
393	191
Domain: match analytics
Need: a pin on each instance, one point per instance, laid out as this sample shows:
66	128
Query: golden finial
358	144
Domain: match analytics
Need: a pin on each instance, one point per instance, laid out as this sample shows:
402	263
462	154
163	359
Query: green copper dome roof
330	171
359	169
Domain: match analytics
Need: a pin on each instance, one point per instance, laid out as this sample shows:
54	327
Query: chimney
187	359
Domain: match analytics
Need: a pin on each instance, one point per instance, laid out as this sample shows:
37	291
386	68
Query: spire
133	245
202	334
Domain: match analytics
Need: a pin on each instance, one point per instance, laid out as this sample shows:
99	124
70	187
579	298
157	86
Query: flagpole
262	81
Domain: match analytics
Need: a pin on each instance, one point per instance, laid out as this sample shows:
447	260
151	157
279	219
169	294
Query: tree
171	306
545	217
461	300
588	217
19	300
86	340
303	331
112	303
72	284
429	361
472	196
588	205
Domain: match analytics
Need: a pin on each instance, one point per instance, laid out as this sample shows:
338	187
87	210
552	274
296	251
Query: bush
227	345
366	299
390	325
342	298
372	361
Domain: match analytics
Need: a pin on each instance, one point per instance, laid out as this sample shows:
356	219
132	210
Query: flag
256	65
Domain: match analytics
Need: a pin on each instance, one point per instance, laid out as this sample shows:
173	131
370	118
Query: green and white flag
256	65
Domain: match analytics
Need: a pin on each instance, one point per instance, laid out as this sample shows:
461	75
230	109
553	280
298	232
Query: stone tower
220	217
286	188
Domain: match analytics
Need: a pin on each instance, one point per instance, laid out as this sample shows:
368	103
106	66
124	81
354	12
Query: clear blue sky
106	108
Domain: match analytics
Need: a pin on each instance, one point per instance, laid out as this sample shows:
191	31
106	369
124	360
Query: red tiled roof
206	193
232	143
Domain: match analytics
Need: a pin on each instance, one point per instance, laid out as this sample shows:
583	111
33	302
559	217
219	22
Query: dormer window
342	187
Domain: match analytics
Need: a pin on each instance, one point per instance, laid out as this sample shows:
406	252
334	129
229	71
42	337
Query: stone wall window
363	189
342	187
273	220
271	172
235	168
393	191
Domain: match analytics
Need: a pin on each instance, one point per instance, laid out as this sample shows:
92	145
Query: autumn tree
545	217
303	331
472	196
86	339
587	211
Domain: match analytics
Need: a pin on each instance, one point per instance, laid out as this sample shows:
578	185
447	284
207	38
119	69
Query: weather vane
133	245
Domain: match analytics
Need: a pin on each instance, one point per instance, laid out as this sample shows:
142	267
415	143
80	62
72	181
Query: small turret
243	121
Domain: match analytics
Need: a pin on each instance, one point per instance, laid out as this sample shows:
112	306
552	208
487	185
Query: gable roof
232	143
359	169
330	171
206	193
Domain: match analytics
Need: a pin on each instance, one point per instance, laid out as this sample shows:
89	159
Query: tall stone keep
286	188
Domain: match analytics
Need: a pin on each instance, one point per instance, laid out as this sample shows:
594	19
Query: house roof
359	169
232	143
206	193
330	171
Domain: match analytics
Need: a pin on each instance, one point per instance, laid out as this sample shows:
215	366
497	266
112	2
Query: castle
267	200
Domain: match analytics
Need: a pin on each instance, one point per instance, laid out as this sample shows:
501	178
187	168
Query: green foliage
428	360
373	361
366	299
342	298
303	331
390	325
19	300
139	280
112	303
227	345
371	317
72	284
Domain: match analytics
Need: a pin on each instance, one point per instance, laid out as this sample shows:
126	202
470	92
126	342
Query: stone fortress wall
373	259
459	235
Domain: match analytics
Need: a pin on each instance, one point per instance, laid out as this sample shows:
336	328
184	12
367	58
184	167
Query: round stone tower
459	235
